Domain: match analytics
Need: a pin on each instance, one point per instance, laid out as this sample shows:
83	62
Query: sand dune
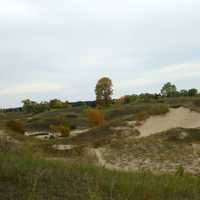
180	117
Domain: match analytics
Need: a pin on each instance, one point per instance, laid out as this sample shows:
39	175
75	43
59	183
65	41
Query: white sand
180	117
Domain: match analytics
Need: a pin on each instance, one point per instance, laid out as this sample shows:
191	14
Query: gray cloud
73	43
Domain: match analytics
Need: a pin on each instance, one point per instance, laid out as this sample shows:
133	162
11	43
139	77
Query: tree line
104	92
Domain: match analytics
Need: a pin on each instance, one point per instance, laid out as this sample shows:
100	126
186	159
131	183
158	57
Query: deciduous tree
168	90
104	91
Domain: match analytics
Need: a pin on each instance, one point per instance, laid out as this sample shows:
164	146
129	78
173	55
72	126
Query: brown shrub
63	130
15	125
95	117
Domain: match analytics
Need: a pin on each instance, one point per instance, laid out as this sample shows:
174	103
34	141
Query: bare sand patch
176	118
78	132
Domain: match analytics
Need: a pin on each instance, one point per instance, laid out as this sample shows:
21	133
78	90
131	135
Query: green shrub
15	125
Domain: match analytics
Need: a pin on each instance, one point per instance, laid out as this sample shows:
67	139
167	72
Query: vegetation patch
22	177
154	109
141	116
95	117
63	130
159	109
16	125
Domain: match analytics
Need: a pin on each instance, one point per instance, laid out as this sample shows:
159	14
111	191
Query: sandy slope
180	117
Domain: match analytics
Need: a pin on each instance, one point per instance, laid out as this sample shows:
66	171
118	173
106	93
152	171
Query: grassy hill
161	166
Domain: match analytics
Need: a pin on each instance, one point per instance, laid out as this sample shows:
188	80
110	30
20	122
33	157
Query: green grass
24	178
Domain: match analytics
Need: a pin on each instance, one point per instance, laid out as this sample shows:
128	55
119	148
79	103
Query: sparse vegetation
159	109
22	177
63	130
16	125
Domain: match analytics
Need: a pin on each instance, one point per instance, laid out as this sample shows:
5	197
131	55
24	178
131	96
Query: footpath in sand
180	117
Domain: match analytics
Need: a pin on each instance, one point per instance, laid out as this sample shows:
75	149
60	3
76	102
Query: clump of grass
159	109
16	125
141	116
179	171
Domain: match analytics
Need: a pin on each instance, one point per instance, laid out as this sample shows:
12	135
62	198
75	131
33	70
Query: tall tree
104	91
168	90
192	92
184	92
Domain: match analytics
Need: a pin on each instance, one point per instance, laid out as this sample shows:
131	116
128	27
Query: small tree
168	90
104	91
28	105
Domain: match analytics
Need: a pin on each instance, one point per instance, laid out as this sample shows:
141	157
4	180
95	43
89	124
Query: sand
176	118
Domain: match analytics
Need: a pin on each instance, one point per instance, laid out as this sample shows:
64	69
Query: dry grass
16	125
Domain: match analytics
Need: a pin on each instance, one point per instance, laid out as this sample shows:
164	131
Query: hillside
153	148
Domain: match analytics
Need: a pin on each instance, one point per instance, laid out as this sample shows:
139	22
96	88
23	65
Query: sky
59	49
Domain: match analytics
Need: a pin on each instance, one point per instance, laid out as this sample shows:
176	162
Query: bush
141	116
63	130
159	109
95	117
15	125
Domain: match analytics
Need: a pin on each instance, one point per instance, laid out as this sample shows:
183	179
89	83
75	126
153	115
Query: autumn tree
104	91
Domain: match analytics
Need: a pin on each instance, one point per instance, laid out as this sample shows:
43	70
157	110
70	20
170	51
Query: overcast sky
59	49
